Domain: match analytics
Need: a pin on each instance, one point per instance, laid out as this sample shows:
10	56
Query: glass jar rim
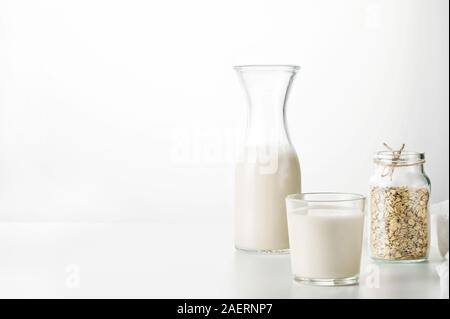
405	157
267	67
325	197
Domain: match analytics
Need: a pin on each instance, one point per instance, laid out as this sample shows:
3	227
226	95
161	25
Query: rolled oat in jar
399	199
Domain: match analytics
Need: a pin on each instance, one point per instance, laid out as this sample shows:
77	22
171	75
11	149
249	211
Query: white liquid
325	243
261	189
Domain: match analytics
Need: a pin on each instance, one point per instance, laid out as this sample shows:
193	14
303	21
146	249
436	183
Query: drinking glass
325	237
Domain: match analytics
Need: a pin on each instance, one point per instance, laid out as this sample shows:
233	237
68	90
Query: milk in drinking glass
325	237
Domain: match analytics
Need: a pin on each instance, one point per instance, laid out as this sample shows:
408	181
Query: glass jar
399	207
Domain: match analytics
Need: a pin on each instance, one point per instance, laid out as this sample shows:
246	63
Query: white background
93	95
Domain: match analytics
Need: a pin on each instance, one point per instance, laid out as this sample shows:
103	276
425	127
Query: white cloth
440	225
442	271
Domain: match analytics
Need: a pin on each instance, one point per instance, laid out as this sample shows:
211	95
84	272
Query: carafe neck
267	89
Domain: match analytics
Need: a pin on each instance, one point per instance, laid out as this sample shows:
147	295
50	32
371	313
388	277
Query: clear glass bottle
268	168
399	207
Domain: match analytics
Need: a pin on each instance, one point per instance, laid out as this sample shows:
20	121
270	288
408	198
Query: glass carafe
268	168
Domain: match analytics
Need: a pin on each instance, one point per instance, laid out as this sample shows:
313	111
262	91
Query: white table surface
172	260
